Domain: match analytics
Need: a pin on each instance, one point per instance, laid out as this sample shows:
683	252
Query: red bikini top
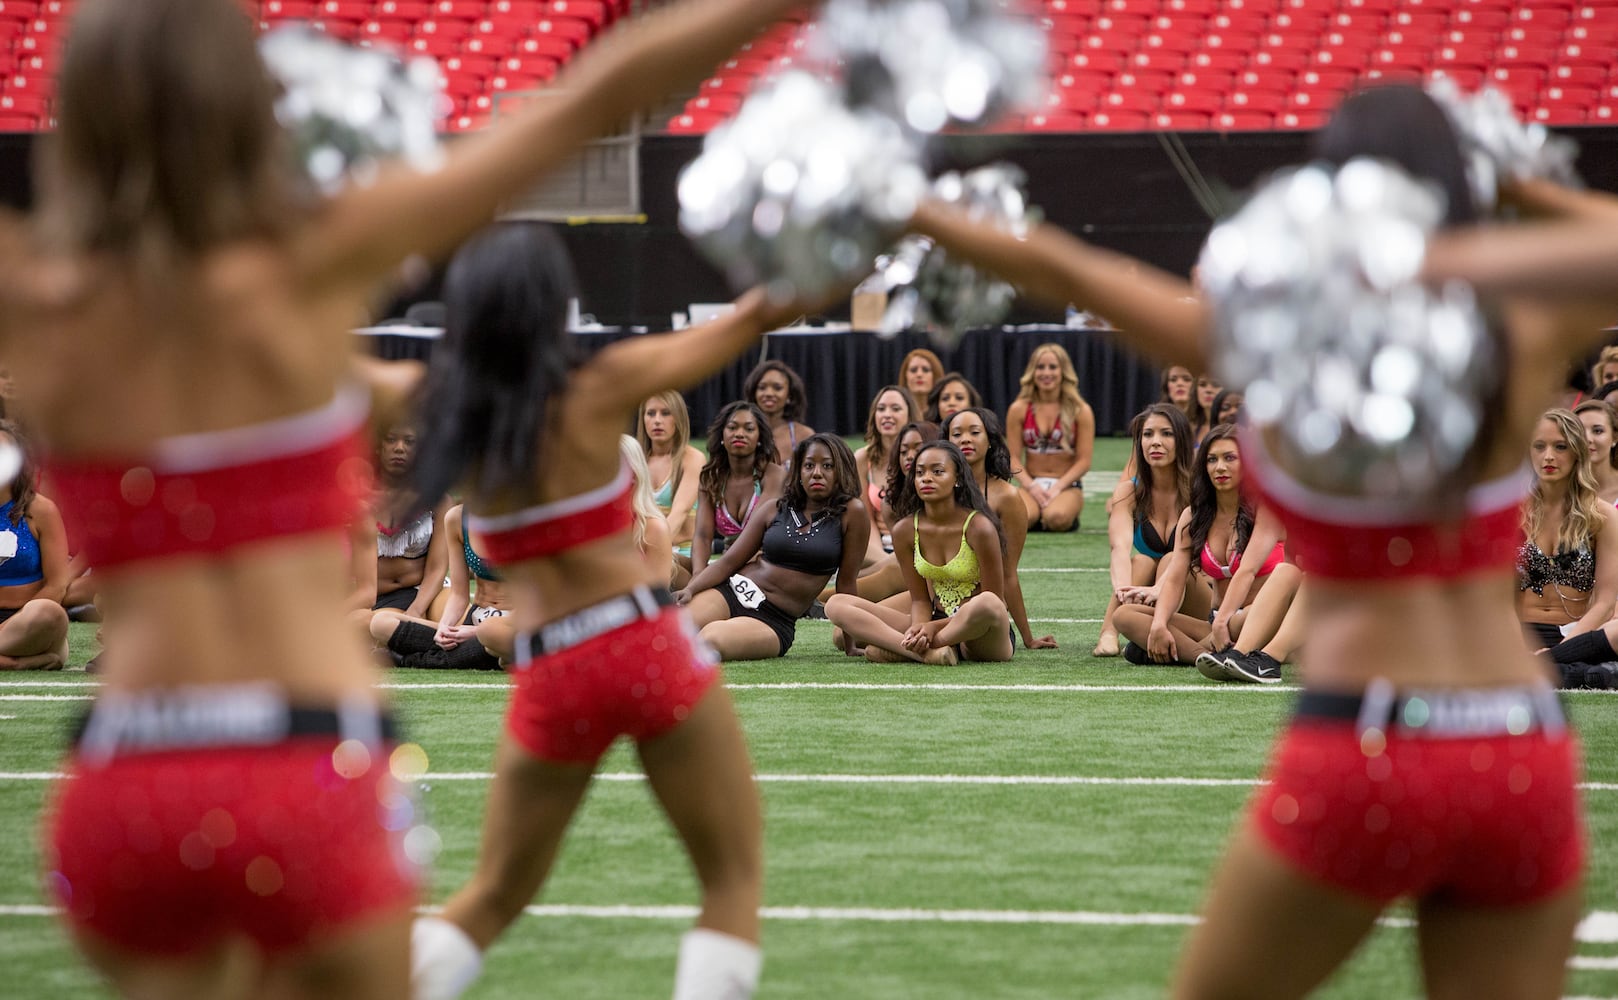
549	529
1350	538
206	494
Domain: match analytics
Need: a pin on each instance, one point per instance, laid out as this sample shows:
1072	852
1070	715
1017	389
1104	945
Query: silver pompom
1498	145
935	63
798	192
1360	380
349	109
928	289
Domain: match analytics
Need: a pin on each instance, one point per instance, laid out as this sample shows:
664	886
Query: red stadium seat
1092	59
1301	119
344	10
1266	78
523	64
1155	61
689	124
1401	58
1205	101
1270	101
1146	81
1218	59
1560	115
388	31
527	10
443	27
1168	41
1071	122
1524	55
1242	22
476	65
494	46
434	45
1120	121
459	10
279	10
1565	97
1419	20
545	45
1398	37
18	123
1130	100
1578	76
719	104
24	104
1218	81
1244	121
594	11
1182	121
1281	58
1238	41
1192	6
1465	77
1481	17
516	81
1084	81
1129	8
404	10
467	123
569	28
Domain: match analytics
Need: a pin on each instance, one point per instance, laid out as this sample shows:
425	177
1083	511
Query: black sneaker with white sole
1257	667
1212	665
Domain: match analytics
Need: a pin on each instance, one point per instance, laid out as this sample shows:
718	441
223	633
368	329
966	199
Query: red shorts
1476	820
167	852
638	680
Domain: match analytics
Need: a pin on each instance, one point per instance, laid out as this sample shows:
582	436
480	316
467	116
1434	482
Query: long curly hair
1068	394
1205	498
1584	513
844	489
997	457
968	496
1180	427
896	472
716	471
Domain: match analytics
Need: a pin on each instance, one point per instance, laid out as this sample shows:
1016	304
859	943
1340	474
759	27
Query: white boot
715	966
444	961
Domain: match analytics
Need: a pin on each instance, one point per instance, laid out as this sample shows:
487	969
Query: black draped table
843	369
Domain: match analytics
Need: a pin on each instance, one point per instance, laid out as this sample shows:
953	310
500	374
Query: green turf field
881	882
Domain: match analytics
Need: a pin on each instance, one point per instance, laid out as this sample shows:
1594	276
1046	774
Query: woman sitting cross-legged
748	601
1567	567
468	636
1169	622
742	473
33	567
955	603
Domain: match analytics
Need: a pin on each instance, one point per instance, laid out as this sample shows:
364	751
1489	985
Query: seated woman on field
1225	551
954	605
33	566
742	474
1567	567
748	601
412	554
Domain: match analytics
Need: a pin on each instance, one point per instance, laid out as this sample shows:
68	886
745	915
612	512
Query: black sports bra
813	545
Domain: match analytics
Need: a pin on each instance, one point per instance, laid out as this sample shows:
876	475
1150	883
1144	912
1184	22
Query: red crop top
205	494
549	529
1349	538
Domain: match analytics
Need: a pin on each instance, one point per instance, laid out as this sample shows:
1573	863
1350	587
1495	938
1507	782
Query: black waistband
1510	711
589	623
228	716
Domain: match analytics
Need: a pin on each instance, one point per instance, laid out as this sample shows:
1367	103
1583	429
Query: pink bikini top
728	526
549	529
1213	571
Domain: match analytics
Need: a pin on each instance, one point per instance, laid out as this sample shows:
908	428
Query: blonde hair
1608	355
682	434
1069	392
640	497
1585	513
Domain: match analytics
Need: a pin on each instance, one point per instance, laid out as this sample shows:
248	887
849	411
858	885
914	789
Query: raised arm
1575	258
1158	312
366	231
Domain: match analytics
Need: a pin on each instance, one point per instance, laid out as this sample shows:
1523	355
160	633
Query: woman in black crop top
747	601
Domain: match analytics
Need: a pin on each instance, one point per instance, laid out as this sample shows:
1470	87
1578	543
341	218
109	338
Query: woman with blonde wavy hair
1052	433
1567	567
651	529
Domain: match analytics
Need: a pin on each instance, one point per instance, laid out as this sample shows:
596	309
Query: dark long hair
716	471
967	494
997	460
973	397
504	358
846	488
797	396
25	484
896	476
1205	499
1183	453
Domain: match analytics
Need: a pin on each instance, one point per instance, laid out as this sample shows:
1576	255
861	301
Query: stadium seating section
1120	65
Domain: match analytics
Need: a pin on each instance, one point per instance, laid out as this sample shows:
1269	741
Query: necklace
801	529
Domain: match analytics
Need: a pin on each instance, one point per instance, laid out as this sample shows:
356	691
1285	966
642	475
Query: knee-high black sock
412	637
1587	647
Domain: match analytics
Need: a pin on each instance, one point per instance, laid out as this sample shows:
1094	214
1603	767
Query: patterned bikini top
1574	569
956	581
